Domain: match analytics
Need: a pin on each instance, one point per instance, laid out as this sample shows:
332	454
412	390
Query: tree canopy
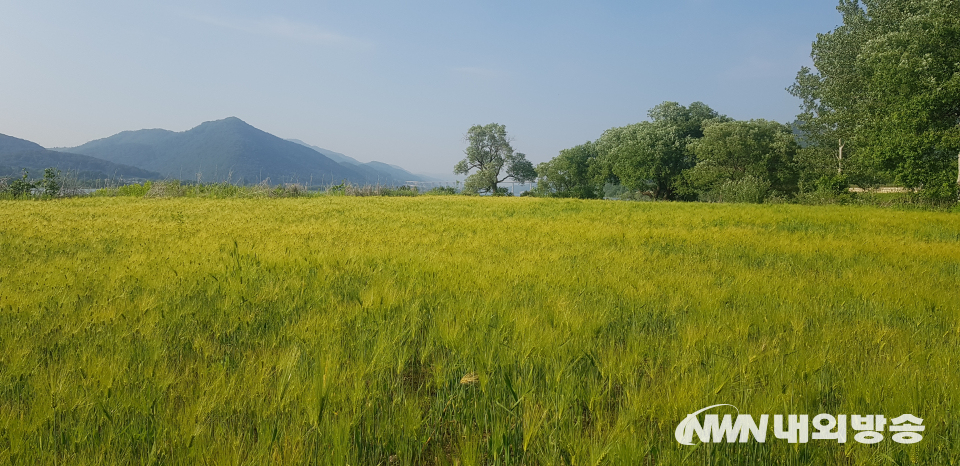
569	173
489	154
887	83
759	152
649	156
880	105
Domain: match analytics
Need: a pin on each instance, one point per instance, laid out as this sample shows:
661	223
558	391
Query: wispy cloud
280	27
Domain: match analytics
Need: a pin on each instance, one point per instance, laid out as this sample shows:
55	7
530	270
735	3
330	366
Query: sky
398	82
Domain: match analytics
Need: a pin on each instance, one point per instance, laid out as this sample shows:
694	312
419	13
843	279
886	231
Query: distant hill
335	156
225	150
381	170
395	171
10	144
441	176
17	154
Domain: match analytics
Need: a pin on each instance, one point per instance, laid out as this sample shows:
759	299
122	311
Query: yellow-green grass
337	330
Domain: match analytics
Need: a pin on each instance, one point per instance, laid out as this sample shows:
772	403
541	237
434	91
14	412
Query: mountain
395	171
17	154
380	170
442	176
10	144
335	156
224	150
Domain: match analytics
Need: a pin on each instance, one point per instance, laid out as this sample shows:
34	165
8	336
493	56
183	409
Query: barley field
466	331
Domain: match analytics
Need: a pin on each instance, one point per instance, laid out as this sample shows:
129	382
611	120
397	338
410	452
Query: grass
457	330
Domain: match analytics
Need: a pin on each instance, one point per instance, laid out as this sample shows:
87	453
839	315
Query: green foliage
568	174
442	191
402	191
834	184
650	156
126	190
748	158
50	184
489	153
747	189
939	188
20	187
887	84
368	190
622	193
340	330
221	190
337	189
17	188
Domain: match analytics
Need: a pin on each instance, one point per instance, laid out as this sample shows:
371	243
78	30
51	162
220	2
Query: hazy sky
399	82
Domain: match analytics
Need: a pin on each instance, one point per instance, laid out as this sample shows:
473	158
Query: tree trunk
840	160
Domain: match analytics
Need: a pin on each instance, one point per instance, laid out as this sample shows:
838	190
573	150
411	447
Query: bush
748	190
47	187
833	184
126	190
337	189
20	187
939	191
442	191
396	191
289	190
346	189
50	184
619	192
822	197
168	188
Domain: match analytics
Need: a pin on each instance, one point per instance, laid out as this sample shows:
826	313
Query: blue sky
399	82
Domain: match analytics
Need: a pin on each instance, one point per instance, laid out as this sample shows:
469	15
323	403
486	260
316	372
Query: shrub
835	184
19	187
940	191
166	188
442	191
622	193
337	189
748	190
50	184
133	190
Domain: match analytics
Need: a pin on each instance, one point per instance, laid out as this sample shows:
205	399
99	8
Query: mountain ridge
233	150
391	171
17	154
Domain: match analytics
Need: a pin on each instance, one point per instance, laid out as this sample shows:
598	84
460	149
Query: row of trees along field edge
880	107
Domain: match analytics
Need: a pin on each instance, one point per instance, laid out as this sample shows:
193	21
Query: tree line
880	107
687	153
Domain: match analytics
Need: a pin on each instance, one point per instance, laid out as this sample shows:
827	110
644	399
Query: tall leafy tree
886	85
568	174
731	151
492	159
650	156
